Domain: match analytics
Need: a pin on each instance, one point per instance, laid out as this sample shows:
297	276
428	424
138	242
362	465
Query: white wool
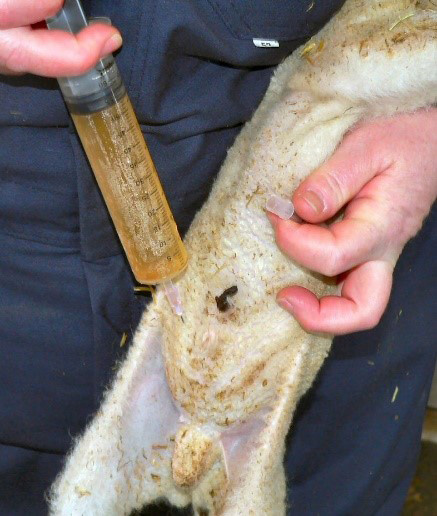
199	411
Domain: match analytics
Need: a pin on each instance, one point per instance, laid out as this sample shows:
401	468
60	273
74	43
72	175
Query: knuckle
371	320
84	63
85	57
308	326
80	67
13	57
78	61
334	264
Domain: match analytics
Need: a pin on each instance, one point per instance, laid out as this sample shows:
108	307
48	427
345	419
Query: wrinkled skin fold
199	411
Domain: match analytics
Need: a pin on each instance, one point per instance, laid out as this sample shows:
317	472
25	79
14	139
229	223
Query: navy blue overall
66	292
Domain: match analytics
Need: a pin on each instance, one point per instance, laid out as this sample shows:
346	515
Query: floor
422	496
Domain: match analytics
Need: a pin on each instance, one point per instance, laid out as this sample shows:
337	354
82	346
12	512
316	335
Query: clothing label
265	43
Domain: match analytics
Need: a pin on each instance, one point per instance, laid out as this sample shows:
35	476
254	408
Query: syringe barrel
120	159
96	90
100	87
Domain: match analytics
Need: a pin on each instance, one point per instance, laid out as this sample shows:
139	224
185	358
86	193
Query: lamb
199	411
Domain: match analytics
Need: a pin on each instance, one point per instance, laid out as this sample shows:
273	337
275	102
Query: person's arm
385	174
24	48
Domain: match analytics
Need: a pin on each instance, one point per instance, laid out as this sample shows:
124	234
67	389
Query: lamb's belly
224	366
224	387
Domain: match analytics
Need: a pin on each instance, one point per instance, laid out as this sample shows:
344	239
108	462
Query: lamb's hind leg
248	479
124	459
257	484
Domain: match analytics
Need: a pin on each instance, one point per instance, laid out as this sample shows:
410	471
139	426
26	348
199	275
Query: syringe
118	154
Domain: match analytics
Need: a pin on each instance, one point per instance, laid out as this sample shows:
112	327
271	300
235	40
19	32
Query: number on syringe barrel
137	161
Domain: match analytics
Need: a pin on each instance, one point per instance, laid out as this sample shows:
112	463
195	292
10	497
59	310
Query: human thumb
328	188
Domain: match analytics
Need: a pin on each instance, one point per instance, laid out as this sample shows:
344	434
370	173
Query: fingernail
314	200
286	305
112	44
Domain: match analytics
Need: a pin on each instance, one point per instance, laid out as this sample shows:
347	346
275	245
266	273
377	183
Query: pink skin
385	175
24	49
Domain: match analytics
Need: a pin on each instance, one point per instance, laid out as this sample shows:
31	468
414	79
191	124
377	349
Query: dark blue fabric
24	475
355	443
66	292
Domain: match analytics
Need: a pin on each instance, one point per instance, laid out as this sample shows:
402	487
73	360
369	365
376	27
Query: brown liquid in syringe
130	186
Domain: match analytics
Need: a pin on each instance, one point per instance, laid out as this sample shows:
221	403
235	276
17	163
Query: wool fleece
199	410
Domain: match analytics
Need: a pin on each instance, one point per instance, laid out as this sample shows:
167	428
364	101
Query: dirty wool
199	410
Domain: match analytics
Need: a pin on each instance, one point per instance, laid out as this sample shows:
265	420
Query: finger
324	192
14	13
56	53
330	250
364	297
6	71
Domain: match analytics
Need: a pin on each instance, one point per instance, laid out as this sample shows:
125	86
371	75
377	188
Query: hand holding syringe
29	48
121	162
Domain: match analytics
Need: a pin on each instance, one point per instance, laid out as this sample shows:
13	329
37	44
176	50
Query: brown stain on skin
245	382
